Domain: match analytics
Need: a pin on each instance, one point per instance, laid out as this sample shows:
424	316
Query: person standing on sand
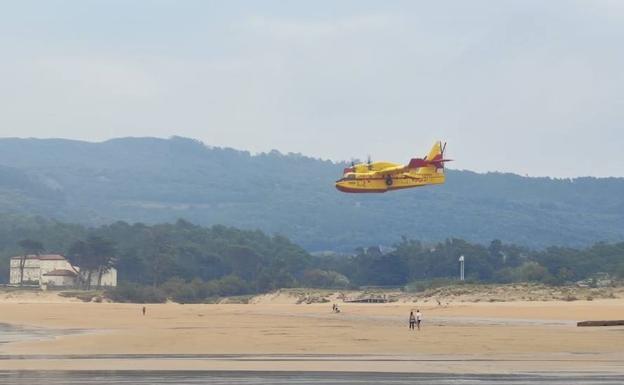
412	320
144	310
418	318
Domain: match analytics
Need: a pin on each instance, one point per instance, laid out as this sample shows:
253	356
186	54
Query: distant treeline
192	263
411	261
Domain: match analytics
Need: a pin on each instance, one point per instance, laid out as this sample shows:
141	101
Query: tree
29	247
244	261
95	255
76	254
160	255
103	253
533	272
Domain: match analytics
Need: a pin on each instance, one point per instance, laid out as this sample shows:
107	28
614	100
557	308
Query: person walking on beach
144	310
418	318
412	320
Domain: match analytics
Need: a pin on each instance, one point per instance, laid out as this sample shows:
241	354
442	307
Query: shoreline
558	364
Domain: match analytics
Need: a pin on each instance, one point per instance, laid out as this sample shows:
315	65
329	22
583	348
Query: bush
135	293
271	280
528	272
181	291
198	291
84	296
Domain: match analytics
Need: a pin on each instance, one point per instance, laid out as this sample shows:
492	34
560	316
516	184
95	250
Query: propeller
349	169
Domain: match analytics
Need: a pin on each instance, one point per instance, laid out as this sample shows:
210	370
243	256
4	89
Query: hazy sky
532	87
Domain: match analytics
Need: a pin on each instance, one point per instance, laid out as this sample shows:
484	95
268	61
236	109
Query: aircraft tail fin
433	162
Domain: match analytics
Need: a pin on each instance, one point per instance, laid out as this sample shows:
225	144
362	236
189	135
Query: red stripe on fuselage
359	190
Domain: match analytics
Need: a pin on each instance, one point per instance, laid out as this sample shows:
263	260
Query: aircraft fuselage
362	183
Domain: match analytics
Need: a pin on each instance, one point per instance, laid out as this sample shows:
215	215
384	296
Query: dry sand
461	337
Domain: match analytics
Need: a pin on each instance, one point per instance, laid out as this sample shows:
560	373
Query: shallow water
290	378
12	333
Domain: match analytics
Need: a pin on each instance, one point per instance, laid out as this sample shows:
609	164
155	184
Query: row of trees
412	260
190	262
152	255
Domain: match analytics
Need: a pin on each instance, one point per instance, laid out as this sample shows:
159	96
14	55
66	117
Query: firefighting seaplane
379	177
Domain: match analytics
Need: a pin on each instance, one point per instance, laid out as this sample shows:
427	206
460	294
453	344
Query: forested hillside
154	180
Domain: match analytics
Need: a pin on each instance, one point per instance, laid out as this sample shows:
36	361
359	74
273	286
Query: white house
52	270
34	267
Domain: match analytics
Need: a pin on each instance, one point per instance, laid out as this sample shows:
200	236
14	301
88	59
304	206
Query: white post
461	268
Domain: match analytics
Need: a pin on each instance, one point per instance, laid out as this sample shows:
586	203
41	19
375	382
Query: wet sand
494	338
293	378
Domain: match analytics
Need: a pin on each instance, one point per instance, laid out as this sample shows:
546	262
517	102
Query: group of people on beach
415	320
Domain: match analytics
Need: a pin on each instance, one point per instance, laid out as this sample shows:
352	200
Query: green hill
155	180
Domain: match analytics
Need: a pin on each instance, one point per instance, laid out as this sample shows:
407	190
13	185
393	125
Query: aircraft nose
340	187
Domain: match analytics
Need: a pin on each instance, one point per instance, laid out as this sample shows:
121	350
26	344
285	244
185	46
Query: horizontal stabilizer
435	158
418	163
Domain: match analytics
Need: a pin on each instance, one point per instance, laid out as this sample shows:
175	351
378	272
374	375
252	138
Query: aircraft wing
389	171
410	176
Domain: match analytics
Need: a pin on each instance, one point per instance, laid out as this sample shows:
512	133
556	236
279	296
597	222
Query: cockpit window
350	176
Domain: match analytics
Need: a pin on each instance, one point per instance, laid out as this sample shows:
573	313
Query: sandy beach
508	337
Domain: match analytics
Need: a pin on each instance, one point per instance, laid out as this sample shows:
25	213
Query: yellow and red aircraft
379	177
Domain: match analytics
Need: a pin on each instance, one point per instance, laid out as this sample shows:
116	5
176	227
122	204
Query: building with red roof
53	270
